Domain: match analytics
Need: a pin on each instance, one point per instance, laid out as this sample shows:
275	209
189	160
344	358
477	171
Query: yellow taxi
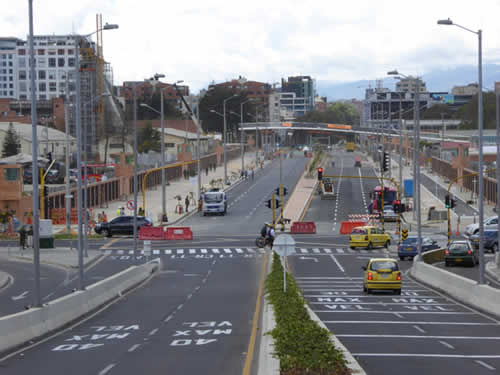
382	274
369	237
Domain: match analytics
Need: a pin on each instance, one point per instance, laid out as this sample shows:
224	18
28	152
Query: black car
490	241
121	225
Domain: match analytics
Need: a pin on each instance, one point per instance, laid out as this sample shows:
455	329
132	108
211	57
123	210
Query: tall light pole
416	154
135	167
497	172
479	34
241	133
225	135
37	301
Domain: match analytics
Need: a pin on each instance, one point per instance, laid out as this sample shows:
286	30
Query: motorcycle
262	242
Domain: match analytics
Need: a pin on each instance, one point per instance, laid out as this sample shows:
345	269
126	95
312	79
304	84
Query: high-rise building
8	68
408	84
297	95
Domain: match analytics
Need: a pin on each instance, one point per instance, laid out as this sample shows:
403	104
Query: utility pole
37	301
68	191
135	167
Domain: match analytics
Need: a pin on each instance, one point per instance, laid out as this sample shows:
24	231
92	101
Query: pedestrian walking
206	171
186	201
104	217
251	172
22	237
118	211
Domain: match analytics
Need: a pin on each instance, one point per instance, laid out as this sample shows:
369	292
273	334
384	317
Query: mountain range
439	80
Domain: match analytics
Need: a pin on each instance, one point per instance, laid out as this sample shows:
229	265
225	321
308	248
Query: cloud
200	41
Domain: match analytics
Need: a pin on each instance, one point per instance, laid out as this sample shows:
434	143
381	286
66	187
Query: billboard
444	98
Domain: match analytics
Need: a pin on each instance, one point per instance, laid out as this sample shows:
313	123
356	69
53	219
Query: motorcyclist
268	233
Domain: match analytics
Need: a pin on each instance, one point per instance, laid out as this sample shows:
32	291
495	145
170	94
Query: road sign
404	234
408	184
130	204
284	245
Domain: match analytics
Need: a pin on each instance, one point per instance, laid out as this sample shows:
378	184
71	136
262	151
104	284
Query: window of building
71	52
22	97
52	52
11	93
4	57
22	86
11	71
41	52
22	74
169	145
52	62
52	74
22	62
11	85
42	86
42	74
52	86
60	62
11	174
4	63
71	61
42	96
42	62
60	52
61	74
21	52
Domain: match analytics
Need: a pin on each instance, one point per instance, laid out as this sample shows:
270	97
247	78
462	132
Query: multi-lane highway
420	331
195	316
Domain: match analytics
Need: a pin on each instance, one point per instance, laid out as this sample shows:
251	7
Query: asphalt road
471	272
195	316
421	331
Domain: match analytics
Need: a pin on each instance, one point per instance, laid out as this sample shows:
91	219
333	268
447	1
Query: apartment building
8	68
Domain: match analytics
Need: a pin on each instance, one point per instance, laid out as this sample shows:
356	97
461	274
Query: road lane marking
407	322
251	344
328	278
425	355
180	251
133	347
107	368
423	337
180	306
215	251
392	312
340	251
239	251
485	365
449	346
203	251
153	332
329	251
397	314
337	263
168	318
192	251
419	329
168	252
227	251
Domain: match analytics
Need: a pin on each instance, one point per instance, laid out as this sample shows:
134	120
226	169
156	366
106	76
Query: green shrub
301	345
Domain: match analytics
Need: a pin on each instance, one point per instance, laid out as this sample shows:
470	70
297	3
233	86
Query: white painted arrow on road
304	258
21	296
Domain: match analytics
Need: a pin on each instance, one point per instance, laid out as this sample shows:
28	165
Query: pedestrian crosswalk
186	252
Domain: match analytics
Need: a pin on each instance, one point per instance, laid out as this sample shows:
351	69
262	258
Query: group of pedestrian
102	217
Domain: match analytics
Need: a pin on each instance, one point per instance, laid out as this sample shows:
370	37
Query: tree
468	112
434	112
213	100
148	139
336	113
11	143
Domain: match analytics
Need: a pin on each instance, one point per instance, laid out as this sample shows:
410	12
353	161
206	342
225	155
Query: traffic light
277	203
385	161
277	191
447	201
453	202
320	174
397	206
49	157
268	203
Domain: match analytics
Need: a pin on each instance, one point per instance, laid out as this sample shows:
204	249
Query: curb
268	364
352	363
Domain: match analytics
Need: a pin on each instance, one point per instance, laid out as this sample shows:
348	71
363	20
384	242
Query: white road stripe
337	263
215	251
328	251
227	251
239	251
423	337
424	355
419	329
168	252
392	312
180	251
119	252
107	368
192	251
326	278
315	250
133	347
449	346
485	365
131	252
340	251
156	252
203	251
304	251
251	251
399	322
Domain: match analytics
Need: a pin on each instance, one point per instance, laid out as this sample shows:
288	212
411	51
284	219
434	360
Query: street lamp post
416	155
479	34
37	302
135	168
241	134
225	136
497	172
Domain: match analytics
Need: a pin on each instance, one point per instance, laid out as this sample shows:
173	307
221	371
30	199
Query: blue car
409	247
490	240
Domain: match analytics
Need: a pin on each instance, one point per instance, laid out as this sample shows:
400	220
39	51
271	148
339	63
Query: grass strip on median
300	344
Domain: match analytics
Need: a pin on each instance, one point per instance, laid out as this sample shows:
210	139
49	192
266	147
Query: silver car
490	223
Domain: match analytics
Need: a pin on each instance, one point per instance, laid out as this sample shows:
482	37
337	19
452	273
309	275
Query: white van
214	201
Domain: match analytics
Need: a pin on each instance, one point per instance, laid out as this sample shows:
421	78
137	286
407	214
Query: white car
471	229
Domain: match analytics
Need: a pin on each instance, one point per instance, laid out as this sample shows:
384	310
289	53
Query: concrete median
16	329
482	297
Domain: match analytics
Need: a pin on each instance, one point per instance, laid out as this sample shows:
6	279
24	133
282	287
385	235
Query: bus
390	195
96	172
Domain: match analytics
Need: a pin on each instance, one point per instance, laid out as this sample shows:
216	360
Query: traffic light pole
449	202
273	205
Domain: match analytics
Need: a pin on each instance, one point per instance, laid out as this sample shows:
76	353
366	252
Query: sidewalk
179	187
60	257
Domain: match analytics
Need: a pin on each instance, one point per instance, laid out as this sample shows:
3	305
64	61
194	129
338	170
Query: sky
200	41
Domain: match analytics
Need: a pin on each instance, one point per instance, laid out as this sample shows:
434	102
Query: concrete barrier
482	297
16	329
